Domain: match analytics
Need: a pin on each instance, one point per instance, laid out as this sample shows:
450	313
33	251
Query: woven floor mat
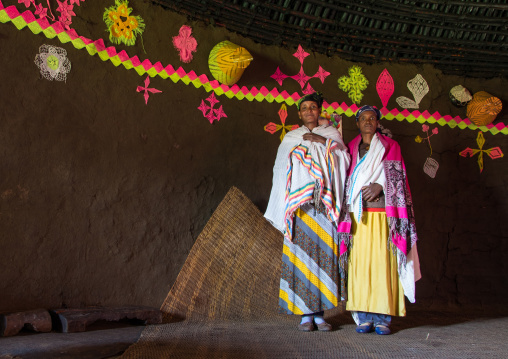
233	269
441	336
225	299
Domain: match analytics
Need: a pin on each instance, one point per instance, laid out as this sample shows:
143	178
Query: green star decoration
354	84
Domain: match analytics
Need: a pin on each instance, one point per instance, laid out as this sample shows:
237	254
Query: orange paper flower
122	27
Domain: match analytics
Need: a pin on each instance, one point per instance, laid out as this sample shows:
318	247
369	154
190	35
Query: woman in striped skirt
307	192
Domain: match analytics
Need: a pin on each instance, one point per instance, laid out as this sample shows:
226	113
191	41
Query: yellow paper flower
122	27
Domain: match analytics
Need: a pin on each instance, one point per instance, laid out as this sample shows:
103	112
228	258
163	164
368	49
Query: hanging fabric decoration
122	27
228	61
384	131
385	87
494	152
354	84
460	96
185	43
419	88
334	119
431	165
301	77
147	90
210	113
53	62
483	108
272	127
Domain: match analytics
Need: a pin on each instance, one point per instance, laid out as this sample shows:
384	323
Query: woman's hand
371	192
312	137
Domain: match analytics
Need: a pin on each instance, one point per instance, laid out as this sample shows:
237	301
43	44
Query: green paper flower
354	84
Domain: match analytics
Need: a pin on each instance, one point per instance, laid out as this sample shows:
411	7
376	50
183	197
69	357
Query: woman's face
309	113
367	122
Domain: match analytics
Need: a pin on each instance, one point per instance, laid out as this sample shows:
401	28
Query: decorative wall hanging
122	27
384	131
228	61
53	62
147	90
385	87
210	113
272	127
354	84
65	8
301	77
419	88
483	108
185	43
333	119
494	152
97	47
460	96
431	165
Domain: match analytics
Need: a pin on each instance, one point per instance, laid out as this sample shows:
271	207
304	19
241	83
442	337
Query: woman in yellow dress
377	229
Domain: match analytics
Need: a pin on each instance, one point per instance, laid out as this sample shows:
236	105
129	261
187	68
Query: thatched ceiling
467	37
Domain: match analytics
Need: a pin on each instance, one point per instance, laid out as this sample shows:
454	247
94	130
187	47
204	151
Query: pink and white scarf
399	211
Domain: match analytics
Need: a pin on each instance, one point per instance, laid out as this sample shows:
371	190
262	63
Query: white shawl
368	170
275	211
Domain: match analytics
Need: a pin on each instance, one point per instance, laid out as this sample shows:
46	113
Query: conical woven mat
233	269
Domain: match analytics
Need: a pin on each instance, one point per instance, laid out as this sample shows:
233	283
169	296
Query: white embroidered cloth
275	212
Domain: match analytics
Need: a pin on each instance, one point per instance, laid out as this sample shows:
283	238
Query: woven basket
483	108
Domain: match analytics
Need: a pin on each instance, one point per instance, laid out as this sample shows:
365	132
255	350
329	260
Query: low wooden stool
77	320
37	320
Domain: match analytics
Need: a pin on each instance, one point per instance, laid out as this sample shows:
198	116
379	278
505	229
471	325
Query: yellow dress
373	280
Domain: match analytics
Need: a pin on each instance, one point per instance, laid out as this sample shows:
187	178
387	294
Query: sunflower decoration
122	27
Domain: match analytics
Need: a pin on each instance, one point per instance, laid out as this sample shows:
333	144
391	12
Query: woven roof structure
468	37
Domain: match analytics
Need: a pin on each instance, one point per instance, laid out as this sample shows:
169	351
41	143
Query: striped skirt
310	280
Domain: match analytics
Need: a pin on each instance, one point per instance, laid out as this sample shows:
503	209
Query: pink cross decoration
321	74
308	90
147	89
272	127
279	76
300	54
185	43
210	113
301	77
494	152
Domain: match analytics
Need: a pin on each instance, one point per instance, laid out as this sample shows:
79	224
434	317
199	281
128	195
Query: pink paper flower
41	11
435	131
26	2
185	43
425	128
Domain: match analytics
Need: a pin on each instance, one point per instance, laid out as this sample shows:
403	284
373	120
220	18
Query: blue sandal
364	328
382	330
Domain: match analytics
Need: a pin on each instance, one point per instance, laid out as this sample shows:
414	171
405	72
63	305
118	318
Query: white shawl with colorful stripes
300	166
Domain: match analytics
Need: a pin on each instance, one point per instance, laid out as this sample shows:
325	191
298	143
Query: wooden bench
38	320
77	320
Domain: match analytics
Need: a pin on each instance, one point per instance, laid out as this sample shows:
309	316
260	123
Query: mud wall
102	196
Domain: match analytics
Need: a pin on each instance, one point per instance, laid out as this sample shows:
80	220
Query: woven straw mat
224	305
233	269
